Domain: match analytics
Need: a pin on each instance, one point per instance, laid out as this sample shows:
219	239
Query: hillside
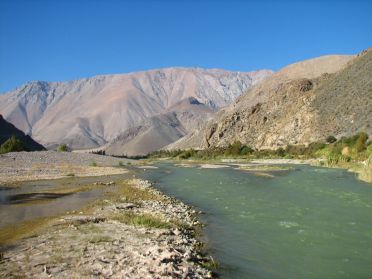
160	130
302	103
91	112
7	130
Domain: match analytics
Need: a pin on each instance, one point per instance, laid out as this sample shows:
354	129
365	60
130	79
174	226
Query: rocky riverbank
136	233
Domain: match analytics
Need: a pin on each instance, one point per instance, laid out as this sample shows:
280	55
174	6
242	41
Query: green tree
62	148
11	145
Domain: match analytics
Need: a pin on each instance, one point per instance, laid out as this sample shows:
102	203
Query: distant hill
7	130
302	103
161	130
91	112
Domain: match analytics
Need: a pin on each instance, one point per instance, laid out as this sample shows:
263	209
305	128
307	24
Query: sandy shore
23	166
212	166
149	237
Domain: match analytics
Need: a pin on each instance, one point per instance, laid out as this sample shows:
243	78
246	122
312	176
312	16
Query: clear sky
68	39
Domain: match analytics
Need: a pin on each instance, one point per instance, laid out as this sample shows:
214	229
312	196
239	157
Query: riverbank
25	166
362	169
135	233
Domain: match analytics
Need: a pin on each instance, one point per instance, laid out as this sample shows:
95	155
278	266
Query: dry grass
142	220
131	193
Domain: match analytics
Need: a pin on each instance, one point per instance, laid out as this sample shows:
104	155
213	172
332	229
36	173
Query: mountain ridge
276	112
90	112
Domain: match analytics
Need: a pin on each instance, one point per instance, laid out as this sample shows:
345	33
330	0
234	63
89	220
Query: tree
11	145
63	148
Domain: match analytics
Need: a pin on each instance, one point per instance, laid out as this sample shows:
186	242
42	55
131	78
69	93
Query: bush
280	152
331	139
246	150
11	145
314	147
360	143
63	148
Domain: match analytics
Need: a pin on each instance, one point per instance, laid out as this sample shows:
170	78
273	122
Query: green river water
304	223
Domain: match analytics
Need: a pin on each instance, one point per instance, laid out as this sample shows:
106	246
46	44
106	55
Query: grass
100	238
71	174
93	164
142	220
132	194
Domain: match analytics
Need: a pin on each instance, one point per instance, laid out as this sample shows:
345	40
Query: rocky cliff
299	104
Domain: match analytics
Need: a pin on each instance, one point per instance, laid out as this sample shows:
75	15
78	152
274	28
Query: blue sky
63	40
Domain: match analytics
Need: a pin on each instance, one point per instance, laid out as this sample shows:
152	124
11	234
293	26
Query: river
307	222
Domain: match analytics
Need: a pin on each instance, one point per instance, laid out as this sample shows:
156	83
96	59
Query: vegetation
11	145
347	148
354	152
142	220
331	139
63	148
94	164
99	238
99	152
134	194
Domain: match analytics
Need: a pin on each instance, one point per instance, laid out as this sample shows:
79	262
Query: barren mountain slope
276	112
160	130
91	112
302	110
7	130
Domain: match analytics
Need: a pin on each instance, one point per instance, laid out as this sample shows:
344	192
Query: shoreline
140	233
362	169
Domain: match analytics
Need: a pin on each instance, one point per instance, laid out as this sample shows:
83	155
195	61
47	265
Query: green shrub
331	139
62	148
313	148
280	152
295	149
245	150
11	145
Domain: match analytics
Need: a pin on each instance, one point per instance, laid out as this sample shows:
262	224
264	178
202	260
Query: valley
242	175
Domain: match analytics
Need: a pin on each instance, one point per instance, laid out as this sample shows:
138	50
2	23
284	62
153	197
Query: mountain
7	130
161	130
302	103
91	112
